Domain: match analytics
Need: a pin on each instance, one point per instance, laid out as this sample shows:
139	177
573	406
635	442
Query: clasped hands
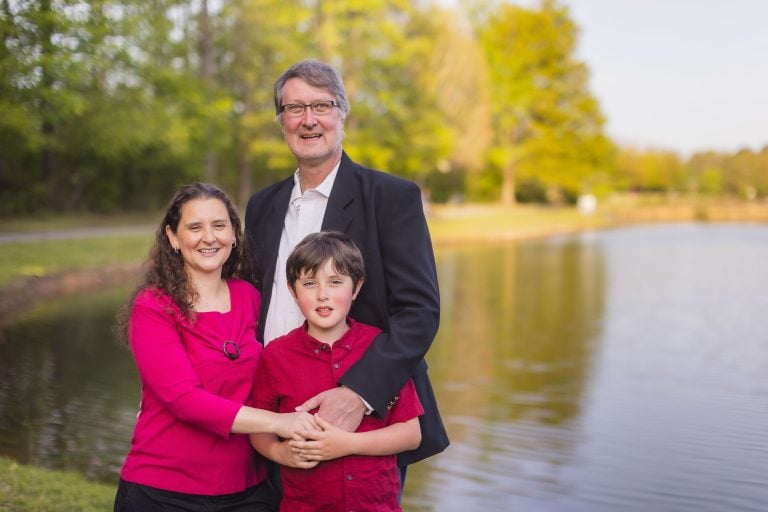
326	434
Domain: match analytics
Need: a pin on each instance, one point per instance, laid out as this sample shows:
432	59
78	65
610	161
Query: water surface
618	370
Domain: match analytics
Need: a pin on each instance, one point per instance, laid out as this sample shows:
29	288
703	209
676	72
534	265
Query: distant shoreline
449	226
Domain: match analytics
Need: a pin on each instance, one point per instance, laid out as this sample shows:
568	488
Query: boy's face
325	299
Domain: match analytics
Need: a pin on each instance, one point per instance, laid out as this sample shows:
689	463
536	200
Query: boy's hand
330	443
293	459
340	406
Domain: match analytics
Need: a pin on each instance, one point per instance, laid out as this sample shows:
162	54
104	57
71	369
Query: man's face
313	139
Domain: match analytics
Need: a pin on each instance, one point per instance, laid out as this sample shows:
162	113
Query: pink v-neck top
191	393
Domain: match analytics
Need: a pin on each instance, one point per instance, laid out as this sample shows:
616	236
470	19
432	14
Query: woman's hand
295	425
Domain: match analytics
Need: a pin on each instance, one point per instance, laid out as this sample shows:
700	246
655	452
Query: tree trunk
47	128
206	71
243	158
508	184
245	176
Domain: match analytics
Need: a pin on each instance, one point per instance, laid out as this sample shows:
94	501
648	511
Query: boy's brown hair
316	248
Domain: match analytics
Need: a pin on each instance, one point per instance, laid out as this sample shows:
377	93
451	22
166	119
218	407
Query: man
383	214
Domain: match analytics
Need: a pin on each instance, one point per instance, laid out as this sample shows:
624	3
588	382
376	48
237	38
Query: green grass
37	259
20	260
32	489
448	225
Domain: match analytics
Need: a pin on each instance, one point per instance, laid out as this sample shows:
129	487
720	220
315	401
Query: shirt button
349	477
336	365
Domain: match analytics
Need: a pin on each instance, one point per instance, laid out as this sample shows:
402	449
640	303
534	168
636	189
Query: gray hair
317	74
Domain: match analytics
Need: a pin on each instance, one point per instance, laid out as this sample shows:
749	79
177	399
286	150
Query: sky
681	75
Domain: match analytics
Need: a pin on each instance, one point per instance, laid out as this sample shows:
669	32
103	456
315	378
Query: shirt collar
324	188
346	340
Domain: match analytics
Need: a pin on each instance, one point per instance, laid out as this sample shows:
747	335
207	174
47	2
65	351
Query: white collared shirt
304	216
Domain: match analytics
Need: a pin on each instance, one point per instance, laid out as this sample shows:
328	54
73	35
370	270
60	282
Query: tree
652	171
259	39
548	127
455	72
41	85
381	50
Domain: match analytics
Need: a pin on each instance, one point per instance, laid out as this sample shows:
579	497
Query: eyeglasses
319	108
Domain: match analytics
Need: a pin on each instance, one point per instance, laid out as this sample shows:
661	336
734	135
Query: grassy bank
481	223
32	489
477	223
39	258
35	259
22	260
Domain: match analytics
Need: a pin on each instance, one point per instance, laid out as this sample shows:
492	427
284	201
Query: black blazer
383	214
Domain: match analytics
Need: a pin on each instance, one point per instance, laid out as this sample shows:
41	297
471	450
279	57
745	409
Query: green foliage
548	126
484	186
108	106
743	175
650	171
531	191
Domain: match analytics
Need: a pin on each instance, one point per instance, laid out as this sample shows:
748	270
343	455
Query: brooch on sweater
231	350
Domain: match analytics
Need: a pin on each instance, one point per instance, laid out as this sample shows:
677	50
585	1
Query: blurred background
576	369
107	106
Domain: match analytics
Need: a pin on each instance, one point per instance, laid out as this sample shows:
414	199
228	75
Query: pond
615	370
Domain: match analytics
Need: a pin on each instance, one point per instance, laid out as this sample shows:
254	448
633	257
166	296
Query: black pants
132	497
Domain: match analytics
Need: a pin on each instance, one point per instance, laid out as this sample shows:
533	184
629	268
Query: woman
192	330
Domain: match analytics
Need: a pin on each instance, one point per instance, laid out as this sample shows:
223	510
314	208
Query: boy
359	470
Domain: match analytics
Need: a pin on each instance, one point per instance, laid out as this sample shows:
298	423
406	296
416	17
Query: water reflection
622	370
68	392
512	361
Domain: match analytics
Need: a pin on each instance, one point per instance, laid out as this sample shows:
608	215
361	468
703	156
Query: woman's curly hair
165	271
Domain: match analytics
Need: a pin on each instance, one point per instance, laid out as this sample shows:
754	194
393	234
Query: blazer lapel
273	228
342	195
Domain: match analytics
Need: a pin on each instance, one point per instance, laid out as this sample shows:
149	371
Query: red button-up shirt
296	367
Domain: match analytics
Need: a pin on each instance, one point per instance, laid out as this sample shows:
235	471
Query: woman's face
204	236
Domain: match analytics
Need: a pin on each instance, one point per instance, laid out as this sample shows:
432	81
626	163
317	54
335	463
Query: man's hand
339	406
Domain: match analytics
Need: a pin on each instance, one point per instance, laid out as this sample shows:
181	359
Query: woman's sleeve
167	372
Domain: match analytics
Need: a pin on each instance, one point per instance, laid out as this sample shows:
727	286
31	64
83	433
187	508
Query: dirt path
68	234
